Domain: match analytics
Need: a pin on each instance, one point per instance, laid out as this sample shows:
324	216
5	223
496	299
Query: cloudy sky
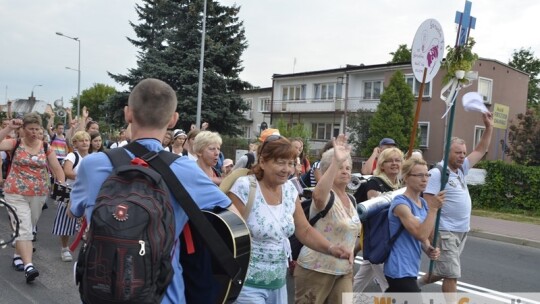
319	34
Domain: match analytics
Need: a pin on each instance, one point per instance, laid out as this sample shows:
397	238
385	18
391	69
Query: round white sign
427	50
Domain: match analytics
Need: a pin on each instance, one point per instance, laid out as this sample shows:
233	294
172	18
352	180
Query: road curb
504	238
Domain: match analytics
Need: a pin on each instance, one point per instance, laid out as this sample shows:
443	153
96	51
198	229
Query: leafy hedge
508	188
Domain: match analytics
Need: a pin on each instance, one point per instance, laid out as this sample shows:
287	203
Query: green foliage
524	139
458	58
295	130
524	60
169	42
93	98
358	128
394	116
113	108
401	55
508	188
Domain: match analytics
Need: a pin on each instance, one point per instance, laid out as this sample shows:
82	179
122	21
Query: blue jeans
253	295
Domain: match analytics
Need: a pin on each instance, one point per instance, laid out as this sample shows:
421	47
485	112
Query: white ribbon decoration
453	87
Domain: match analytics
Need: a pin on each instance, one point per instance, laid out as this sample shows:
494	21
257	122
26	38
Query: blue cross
466	22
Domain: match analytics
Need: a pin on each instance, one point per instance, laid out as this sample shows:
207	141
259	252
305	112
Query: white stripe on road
481	291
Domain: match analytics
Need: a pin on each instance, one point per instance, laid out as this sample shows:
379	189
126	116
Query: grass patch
508	216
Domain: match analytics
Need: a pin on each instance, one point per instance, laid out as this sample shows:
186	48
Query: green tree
524	139
402	54
113	108
524	60
394	116
169	42
93	99
294	130
358	128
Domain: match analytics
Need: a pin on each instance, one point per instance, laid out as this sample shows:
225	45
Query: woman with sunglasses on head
26	186
418	219
272	217
385	178
319	277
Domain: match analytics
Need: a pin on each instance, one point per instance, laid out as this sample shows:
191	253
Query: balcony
332	105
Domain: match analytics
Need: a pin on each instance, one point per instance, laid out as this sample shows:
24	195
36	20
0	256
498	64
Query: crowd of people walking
267	198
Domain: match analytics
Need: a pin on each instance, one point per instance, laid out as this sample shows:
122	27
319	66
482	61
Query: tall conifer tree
169	42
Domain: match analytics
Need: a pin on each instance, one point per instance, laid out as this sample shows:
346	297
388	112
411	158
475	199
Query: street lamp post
32	93
78	72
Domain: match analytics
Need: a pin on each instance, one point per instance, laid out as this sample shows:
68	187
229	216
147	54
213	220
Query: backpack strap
76	159
323	212
210	236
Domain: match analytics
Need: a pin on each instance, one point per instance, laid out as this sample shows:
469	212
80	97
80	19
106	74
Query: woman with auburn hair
272	216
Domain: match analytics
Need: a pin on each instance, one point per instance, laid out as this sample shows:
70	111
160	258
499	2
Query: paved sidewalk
506	231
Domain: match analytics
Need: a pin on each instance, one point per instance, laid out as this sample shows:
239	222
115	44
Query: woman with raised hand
274	214
418	219
320	278
26	186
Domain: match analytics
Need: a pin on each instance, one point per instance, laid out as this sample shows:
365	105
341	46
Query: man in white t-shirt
456	211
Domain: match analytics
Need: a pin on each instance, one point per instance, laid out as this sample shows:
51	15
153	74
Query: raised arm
482	147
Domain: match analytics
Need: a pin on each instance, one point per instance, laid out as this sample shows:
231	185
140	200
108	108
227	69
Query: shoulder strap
323	213
12	154
76	159
401	227
251	196
212	239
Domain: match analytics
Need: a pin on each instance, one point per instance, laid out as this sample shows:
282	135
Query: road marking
477	290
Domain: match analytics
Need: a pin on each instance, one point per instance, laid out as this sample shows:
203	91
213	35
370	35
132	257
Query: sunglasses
270	138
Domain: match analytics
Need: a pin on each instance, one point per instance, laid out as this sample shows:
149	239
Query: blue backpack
377	241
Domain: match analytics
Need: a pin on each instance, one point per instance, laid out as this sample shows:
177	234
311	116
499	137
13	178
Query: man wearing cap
249	159
370	164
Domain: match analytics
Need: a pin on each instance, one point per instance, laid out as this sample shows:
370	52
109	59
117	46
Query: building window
415	86
248	112
478	132
294	92
324	131
246	131
423	131
328	91
485	86
264	104
373	89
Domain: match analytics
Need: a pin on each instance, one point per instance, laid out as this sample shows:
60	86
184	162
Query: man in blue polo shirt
151	110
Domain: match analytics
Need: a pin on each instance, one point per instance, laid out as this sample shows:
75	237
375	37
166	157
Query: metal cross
466	22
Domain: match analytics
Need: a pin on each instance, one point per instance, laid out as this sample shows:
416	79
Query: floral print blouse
270	227
28	174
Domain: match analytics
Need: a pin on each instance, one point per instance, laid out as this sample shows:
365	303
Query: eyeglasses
426	175
395	160
270	139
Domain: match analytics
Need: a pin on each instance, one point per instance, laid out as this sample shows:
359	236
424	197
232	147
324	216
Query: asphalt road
489	266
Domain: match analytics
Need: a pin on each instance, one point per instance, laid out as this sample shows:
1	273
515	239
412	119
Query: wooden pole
418	107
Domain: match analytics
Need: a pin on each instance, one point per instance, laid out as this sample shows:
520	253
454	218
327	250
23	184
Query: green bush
508	188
